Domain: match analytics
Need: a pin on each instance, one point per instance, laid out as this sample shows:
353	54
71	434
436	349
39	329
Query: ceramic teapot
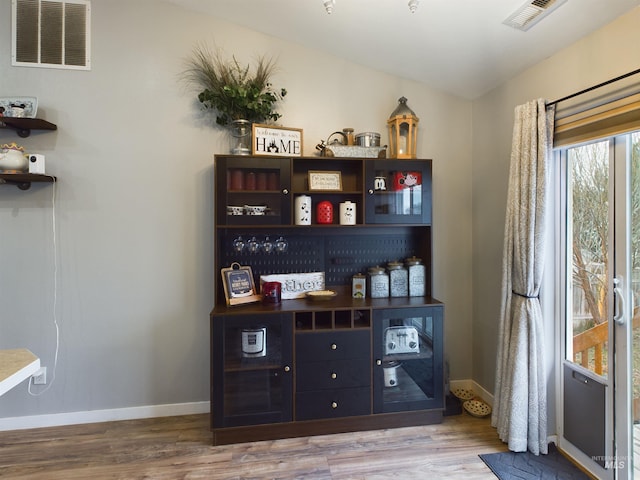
13	158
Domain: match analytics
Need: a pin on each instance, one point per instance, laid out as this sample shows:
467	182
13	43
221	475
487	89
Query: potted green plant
237	94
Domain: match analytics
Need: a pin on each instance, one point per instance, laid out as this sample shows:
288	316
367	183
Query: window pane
588	217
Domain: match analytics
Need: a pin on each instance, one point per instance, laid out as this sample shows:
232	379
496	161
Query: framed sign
278	141
239	287
325	181
296	285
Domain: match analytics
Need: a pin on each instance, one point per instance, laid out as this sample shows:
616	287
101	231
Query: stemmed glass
281	245
253	245
267	245
238	245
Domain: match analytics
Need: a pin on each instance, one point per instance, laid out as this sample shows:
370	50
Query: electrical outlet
40	377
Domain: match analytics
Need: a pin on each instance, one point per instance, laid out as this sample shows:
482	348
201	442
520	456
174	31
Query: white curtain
520	400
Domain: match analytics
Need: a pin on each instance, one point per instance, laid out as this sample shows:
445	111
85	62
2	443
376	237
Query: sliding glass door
601	250
628	345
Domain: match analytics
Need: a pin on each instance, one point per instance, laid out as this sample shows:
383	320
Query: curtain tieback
524	296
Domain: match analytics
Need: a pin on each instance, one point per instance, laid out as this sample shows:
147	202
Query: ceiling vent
531	13
51	33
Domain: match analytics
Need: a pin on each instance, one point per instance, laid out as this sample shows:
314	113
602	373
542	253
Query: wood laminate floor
180	448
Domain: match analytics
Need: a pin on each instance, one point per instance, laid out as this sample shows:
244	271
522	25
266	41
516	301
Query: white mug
347	213
303	210
17	112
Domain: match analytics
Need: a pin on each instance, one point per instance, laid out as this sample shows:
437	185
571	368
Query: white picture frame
325	181
275	141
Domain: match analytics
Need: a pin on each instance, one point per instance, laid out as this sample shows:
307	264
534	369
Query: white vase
303	210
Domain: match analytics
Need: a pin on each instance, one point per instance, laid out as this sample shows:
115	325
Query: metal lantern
403	131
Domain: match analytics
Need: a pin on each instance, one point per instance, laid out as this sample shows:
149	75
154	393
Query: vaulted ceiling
458	46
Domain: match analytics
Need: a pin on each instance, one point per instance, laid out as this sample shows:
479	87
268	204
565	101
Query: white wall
133	206
605	54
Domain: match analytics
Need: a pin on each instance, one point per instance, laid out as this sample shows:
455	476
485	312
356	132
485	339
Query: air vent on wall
51	33
531	13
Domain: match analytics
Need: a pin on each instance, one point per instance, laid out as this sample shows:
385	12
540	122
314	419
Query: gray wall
133	207
607	53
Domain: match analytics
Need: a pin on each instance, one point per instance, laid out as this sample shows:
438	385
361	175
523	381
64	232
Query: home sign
277	141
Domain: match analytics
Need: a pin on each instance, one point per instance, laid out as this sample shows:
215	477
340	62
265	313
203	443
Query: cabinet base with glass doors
303	367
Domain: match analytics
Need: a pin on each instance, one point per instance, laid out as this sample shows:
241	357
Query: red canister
261	181
272	181
324	212
271	292
250	181
237	180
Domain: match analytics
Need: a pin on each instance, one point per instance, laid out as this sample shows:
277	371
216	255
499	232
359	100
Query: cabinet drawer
332	345
333	374
333	403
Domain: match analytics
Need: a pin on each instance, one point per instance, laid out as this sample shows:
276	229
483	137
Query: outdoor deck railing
595	338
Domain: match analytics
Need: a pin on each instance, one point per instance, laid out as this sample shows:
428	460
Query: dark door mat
527	466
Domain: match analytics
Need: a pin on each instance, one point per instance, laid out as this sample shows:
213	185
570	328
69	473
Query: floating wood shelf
23	180
23	126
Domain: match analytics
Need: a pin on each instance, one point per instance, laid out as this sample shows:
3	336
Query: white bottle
347	213
303	210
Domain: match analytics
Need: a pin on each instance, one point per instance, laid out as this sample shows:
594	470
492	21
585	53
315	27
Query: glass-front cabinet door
253	191
398	191
407	349
252	377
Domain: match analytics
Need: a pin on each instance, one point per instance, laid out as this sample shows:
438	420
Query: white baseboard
96	416
477	389
151	411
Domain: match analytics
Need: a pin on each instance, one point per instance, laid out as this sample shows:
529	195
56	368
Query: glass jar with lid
378	282
359	288
398	279
416	276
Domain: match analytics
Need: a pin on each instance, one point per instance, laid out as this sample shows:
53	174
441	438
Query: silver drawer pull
334	346
287	368
334	375
334	405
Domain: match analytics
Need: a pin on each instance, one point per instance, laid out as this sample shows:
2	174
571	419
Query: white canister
347	213
416	277
398	279
378	282
303	210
